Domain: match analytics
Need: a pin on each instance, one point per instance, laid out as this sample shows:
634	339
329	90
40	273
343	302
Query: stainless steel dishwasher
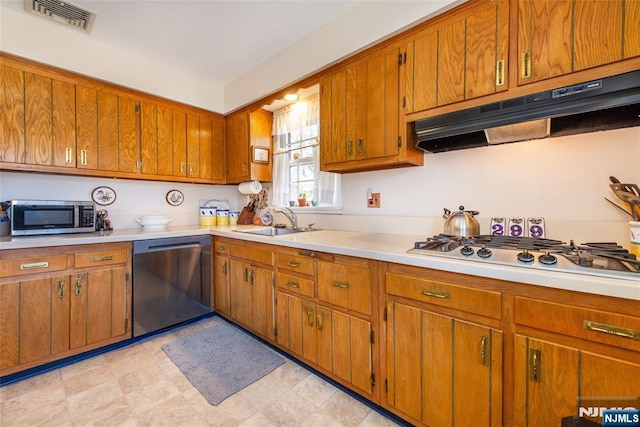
172	282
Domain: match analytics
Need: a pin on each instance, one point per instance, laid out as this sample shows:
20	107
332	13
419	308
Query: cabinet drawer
298	264
484	303
593	325
40	264
98	258
345	285
221	247
252	253
290	283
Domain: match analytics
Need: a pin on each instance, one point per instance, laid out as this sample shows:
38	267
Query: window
296	162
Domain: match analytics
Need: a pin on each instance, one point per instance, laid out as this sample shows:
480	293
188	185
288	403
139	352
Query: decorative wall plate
103	195
175	197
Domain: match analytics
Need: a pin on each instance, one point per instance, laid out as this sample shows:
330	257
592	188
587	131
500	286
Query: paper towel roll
250	187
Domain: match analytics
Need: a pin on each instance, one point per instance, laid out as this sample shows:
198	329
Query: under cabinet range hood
607	103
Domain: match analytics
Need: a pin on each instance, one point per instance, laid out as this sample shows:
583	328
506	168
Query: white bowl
154	221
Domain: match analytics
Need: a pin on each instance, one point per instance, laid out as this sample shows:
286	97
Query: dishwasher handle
168	244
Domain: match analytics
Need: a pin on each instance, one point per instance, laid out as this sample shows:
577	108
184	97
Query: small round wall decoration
103	196
175	197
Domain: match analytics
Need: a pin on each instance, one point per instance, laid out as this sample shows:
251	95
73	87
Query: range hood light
525	131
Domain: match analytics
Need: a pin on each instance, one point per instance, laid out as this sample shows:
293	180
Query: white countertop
377	246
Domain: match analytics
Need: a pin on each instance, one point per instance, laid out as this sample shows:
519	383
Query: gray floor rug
222	360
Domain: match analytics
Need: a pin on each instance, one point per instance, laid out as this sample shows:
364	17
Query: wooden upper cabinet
459	58
558	37
218	150
11	114
193	146
38	120
87	127
246	130
128	135
64	123
148	138
360	116
164	122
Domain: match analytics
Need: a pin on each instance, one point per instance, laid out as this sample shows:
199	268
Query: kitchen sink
274	231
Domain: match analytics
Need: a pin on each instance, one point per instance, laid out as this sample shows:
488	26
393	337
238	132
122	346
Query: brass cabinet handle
68	154
320	324
31	265
526	64
245	274
534	360
360	145
310	316
251	277
350	147
221	248
484	342
83	157
181	168
500	73
293	264
341	285
612	330
224	268
102	258
60	288
293	284
190	169
436	294
78	287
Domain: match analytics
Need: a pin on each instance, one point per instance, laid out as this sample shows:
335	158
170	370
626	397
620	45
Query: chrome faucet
291	216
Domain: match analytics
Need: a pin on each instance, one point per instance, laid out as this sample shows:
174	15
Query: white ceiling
224	40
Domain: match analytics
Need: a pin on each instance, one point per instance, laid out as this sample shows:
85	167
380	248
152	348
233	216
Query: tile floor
138	385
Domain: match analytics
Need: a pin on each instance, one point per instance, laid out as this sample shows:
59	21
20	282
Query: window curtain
291	119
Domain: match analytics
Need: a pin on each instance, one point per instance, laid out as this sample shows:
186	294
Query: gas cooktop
604	259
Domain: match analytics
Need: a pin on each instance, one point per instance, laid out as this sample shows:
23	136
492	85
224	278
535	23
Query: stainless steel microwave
32	217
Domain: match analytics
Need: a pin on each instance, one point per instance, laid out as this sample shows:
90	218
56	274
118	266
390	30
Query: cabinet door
553	382
290	324
64	124
193	146
108	132
87	128
128	135
351	350
259	301
238	147
165	140
463	58
99	306
148	138
38	119
237	291
179	143
558	37
41	321
221	284
218	150
205	155
12	114
9	325
439	366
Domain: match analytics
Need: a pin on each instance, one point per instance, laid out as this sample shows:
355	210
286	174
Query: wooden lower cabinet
555	382
442	371
50	309
251	297
338	343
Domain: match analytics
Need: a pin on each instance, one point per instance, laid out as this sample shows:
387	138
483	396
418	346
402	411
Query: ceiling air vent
63	12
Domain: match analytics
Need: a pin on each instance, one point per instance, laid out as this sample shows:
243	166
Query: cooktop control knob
484	252
525	256
547	259
467	250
